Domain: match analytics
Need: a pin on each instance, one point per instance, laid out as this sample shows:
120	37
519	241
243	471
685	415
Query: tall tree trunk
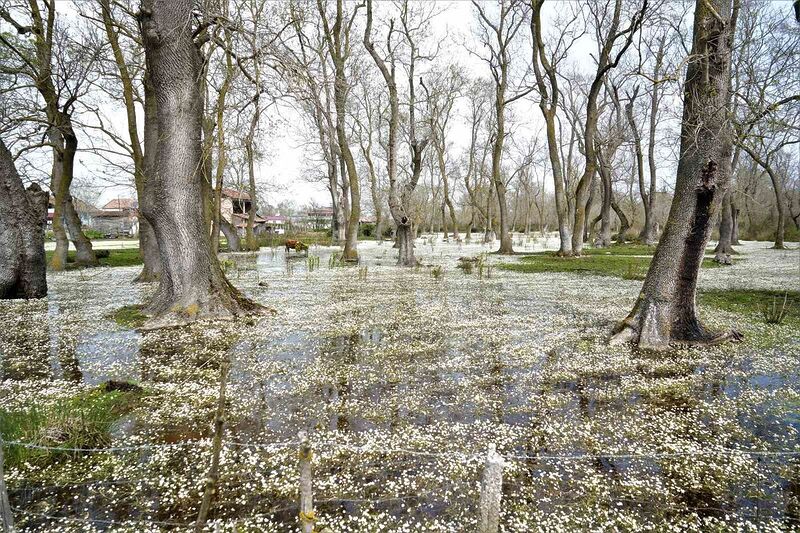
148	244
624	223
666	310
22	218
148	247
231	235
604	238
65	217
646	236
192	285
724	249
506	246
735	223
350	252
448	203
780	228
222	156
589	228
251	242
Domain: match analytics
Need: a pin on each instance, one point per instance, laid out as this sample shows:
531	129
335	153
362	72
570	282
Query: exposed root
650	327
194	308
147	275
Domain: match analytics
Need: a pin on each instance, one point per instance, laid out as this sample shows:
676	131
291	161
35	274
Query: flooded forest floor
402	378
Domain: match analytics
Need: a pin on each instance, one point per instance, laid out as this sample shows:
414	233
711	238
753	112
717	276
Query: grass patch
752	302
82	421
109	258
622	249
620	266
129	316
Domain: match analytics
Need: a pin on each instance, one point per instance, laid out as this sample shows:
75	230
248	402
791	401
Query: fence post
6	517
491	492
307	516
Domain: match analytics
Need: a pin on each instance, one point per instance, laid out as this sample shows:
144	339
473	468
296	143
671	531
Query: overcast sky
289	144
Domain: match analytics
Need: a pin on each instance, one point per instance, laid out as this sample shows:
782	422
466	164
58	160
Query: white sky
284	164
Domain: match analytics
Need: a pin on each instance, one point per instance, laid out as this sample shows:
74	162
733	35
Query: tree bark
22	218
724	250
148	247
65	218
604	170
665	311
192	285
231	235
148	244
624	223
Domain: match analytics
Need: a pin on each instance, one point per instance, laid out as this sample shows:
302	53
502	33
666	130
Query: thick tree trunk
192	285
148	251
405	245
604	237
65	218
84	254
666	310
22	218
148	244
724	250
624	223
231	235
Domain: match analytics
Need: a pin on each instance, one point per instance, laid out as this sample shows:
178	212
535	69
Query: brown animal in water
295	245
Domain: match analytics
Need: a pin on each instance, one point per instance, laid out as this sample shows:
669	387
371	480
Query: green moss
129	316
109	258
82	421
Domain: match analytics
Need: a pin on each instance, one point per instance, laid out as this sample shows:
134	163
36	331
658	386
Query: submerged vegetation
403	380
83	420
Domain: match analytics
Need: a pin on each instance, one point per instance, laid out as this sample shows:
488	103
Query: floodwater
403	379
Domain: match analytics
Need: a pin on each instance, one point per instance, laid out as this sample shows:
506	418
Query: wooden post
307	516
491	492
6	518
210	486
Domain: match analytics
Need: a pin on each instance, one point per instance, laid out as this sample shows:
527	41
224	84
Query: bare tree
400	196
545	68
497	34
609	33
114	29
337	37
665	311
60	75
22	215
442	93
192	285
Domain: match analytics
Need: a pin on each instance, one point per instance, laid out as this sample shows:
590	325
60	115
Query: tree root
212	307
651	327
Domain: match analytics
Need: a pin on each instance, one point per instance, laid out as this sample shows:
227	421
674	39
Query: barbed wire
422	453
